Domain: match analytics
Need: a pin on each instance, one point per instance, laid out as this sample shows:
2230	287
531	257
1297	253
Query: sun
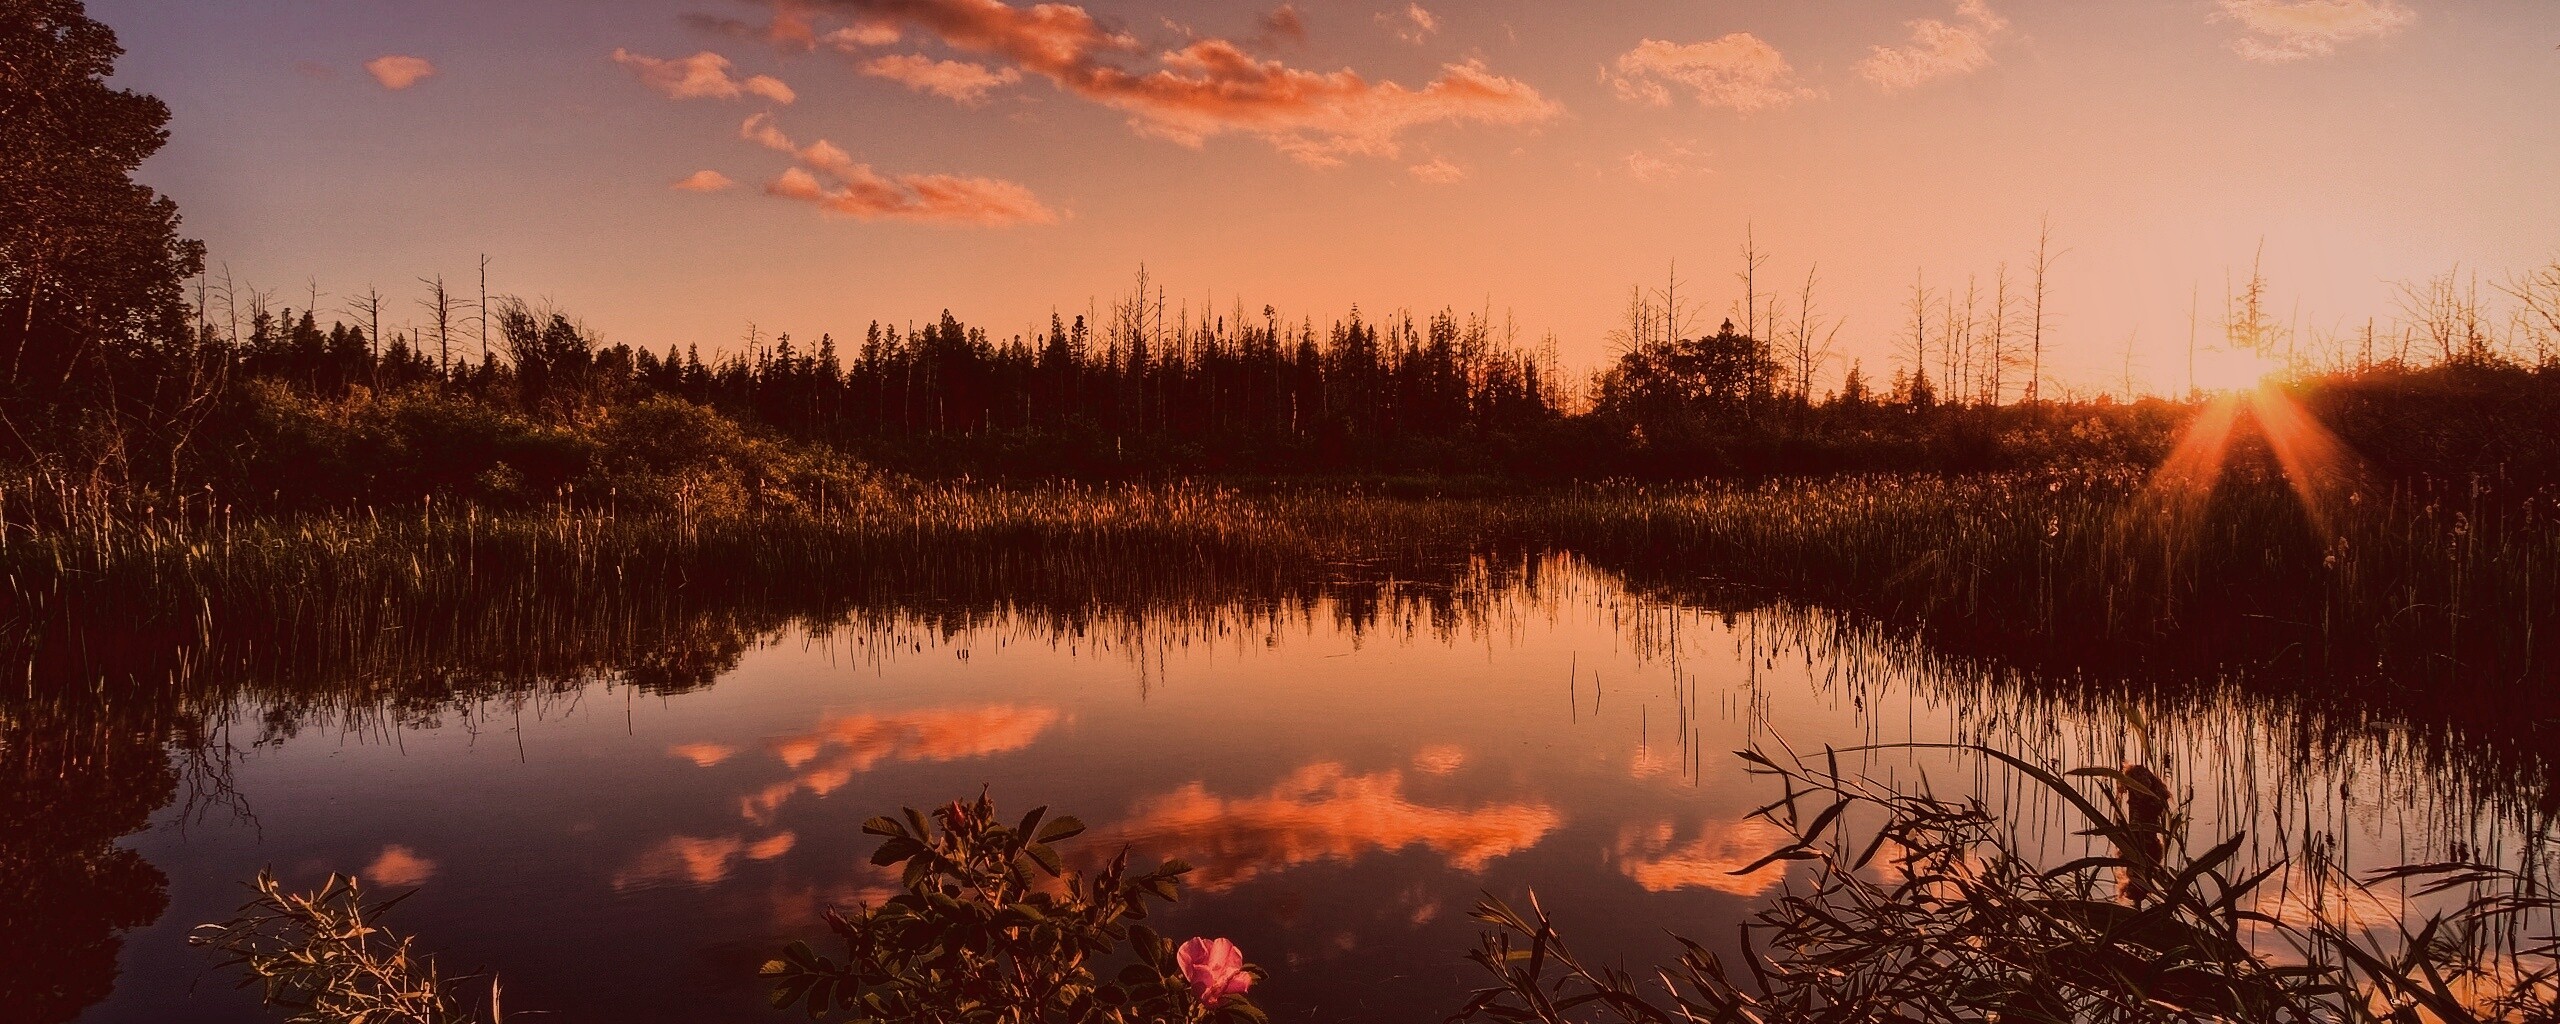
2317	466
2228	371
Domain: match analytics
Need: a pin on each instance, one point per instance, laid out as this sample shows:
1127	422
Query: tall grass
1920	908
2414	596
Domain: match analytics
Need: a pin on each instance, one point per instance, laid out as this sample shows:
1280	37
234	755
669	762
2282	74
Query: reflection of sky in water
1344	795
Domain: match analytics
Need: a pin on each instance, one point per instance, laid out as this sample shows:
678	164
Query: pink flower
1215	969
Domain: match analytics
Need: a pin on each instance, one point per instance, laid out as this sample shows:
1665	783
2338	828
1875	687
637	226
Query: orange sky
674	169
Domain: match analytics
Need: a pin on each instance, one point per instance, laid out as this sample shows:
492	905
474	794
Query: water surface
1348	768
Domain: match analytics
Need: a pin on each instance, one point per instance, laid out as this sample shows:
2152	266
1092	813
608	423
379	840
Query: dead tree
2045	257
440	307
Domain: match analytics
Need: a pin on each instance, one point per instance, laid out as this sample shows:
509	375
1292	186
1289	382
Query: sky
673	171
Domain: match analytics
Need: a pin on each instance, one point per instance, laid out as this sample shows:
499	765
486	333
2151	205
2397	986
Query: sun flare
2319	468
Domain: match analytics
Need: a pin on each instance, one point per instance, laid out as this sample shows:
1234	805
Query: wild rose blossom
1215	969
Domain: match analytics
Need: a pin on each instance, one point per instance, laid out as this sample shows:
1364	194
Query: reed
2408	592
1914	907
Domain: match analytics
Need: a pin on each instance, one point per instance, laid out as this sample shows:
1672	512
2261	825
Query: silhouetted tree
87	256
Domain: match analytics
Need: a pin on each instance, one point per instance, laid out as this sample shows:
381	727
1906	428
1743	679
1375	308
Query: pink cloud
1438	171
1937	49
1413	24
761	130
2289	30
1671	160
1738	72
791	28
862	34
397	72
1284	25
958	81
704	75
1210	87
863	194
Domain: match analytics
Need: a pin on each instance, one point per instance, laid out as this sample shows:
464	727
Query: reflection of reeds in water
2405	588
151	631
1984	588
1905	903
2054	610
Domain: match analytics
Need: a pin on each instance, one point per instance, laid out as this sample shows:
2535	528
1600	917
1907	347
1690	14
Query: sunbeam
2316	465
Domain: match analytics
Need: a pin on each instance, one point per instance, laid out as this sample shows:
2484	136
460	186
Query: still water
1348	770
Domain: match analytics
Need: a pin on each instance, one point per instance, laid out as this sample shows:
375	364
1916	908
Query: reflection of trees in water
364	637
74	777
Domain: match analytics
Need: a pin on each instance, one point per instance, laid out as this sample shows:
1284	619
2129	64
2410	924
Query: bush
657	455
992	928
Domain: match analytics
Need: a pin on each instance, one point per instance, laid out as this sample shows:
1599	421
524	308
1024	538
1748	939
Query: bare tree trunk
2045	256
439	304
481	312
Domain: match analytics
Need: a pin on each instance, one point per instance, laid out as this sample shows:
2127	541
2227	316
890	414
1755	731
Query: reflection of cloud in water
801	906
399	865
1440	759
1648	857
842	746
2300	896
703	754
694	860
1647	764
1322	812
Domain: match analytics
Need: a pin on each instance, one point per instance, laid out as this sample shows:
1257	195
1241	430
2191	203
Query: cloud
2290	30
1413	24
1649	858
1439	171
397	72
763	131
1672	160
863	194
839	747
1937	49
702	76
791	28
1210	87
1323	813
862	34
399	866
1283	25
1739	72
958	81
699	861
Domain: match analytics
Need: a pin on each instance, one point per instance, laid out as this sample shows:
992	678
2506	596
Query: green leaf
1065	827
1236	1007
895	850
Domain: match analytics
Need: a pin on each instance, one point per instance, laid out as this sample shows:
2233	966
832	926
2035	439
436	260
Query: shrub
992	929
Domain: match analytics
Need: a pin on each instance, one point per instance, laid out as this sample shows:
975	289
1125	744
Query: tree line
124	362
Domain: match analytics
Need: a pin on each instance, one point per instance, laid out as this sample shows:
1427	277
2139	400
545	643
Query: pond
1349	767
